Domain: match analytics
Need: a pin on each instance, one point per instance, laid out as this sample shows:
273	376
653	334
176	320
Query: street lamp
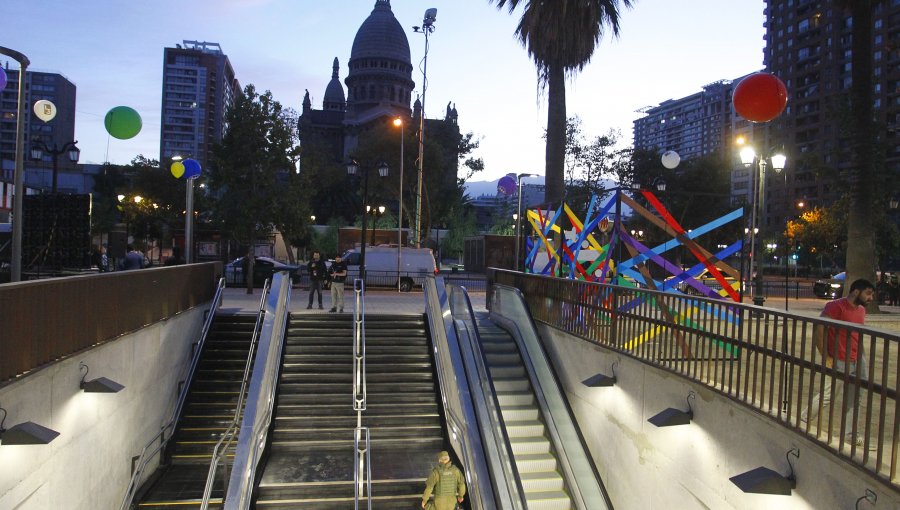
38	148
15	263
748	155
399	123
353	169
519	215
427	28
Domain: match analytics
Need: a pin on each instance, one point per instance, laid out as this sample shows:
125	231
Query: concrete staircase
310	466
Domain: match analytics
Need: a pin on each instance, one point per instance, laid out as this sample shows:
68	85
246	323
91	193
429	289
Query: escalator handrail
453	382
229	434
160	440
588	493
504	466
260	396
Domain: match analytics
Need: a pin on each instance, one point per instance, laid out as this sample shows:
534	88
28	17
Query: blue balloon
506	186
2	79
191	168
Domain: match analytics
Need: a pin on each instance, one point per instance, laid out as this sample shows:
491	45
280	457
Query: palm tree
864	173
561	35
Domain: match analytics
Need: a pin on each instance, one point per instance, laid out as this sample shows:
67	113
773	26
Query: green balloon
123	122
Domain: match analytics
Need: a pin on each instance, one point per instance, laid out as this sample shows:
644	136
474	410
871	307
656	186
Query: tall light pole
519	215
399	122
758	208
427	28
38	148
15	263
353	169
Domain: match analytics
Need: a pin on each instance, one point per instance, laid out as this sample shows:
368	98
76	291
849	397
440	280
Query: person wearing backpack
447	482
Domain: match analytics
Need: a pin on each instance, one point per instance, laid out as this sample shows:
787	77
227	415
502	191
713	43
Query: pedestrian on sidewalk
843	354
317	273
338	274
447	482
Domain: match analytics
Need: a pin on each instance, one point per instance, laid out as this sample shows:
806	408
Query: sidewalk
236	300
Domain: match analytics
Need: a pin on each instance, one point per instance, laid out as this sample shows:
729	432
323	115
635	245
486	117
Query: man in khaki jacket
447	482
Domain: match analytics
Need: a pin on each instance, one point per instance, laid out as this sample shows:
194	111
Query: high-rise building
198	87
808	45
60	130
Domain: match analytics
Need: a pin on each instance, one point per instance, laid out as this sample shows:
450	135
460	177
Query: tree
561	36
250	170
818	234
864	174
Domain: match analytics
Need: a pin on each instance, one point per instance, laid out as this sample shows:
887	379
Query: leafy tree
252	172
819	234
561	37
461	225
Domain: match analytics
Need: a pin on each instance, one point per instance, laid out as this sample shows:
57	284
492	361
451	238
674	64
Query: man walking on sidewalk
844	354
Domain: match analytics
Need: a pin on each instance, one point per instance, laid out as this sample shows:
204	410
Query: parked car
263	268
830	288
381	266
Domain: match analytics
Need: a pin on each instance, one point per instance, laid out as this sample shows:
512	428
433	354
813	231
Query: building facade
198	87
57	132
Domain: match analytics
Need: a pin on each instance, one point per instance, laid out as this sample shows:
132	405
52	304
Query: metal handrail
362	475
762	357
460	401
260	405
146	453
229	434
585	487
487	402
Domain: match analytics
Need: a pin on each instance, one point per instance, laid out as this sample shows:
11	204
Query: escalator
311	457
208	410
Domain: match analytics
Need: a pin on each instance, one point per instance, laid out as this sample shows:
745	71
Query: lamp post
427	28
399	122
38	148
519	215
15	263
353	169
748	156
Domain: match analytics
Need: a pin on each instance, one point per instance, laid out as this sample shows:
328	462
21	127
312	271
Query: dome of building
334	92
381	36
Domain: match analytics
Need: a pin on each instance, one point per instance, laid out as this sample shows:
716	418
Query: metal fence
47	320
761	357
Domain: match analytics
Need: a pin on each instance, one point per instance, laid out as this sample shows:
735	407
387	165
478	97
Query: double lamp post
353	168
38	148
758	211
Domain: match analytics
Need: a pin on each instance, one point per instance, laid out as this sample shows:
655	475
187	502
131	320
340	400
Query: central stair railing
362	472
163	436
219	452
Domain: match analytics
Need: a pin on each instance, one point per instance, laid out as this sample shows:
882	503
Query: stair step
515	398
535	462
550	500
529	445
525	428
542	481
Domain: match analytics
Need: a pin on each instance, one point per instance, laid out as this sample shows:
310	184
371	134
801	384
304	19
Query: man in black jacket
317	273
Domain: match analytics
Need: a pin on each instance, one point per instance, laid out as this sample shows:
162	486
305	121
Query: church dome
381	36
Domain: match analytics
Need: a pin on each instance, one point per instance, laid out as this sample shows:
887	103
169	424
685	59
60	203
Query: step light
98	385
602	380
25	433
672	417
763	480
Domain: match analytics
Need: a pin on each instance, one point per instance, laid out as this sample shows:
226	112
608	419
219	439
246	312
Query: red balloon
760	97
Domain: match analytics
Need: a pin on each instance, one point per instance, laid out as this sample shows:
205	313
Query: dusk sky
113	51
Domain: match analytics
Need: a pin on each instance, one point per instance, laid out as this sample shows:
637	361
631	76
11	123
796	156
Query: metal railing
762	357
362	446
45	321
158	443
260	396
220	450
504	474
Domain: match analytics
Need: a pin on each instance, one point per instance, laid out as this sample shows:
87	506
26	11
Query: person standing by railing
843	353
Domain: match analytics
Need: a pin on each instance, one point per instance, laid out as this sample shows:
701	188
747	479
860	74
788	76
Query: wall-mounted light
602	380
98	385
25	433
672	417
763	480
870	497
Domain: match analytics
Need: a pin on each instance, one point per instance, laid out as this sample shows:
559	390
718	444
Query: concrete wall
688	467
88	466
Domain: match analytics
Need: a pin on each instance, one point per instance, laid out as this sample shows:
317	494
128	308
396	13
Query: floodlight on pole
427	28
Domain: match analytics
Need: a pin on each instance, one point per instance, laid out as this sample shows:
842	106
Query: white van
381	266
